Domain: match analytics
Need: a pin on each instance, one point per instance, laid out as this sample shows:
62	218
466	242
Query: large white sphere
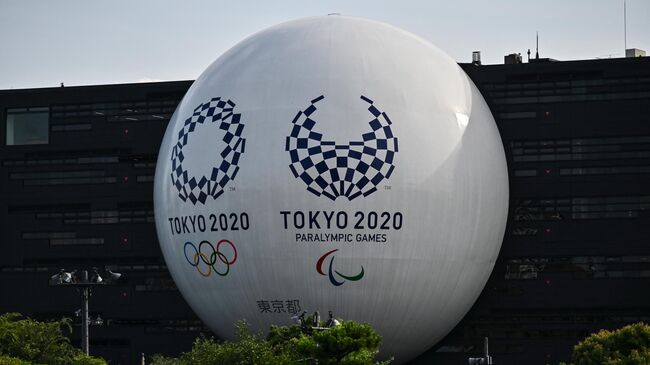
333	163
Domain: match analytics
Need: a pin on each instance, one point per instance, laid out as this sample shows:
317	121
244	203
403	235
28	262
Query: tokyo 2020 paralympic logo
213	258
198	188
336	279
348	170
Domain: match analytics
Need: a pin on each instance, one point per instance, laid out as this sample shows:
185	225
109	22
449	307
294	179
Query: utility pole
625	27
85	320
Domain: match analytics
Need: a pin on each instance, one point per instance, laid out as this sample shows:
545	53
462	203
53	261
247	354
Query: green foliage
32	342
164	360
629	345
247	349
7	360
83	359
350	343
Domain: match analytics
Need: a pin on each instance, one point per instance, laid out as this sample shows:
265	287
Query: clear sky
82	42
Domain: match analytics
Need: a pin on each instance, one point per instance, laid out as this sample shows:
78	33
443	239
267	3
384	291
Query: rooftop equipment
476	57
634	52
512	59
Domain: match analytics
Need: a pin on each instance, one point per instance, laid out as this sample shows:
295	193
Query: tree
629	345
26	341
350	343
8	360
246	349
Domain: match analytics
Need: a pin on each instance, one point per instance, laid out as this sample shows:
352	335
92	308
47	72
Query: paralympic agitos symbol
348	170
331	271
215	259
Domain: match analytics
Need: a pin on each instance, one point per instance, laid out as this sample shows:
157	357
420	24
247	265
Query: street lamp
315	321
485	360
308	327
84	284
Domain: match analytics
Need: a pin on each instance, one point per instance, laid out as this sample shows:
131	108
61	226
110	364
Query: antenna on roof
536	44
625	24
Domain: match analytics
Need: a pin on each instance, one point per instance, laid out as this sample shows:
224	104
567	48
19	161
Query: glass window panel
525	173
76	241
71	127
27	127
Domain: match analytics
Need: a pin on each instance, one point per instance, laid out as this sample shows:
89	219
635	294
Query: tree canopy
25	341
629	345
349	343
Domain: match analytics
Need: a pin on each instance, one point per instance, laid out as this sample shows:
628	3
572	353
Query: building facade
575	256
76	191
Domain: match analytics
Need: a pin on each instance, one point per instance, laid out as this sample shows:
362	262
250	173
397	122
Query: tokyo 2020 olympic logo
335	276
208	259
198	188
349	170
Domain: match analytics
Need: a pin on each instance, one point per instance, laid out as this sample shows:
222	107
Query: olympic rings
212	260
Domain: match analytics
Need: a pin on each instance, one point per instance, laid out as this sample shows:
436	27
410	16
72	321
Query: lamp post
485	360
84	285
315	321
304	324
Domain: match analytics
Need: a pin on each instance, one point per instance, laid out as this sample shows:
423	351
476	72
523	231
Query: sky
86	42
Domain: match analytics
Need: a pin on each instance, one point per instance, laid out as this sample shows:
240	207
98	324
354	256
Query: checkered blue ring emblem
197	189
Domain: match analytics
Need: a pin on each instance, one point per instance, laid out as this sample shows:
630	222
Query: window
71	157
63	177
157	284
144	178
597	267
525	173
607	170
72	127
517	115
127	111
47	235
603	207
578	149
62	238
524	231
134	212
578	89
76	241
27	126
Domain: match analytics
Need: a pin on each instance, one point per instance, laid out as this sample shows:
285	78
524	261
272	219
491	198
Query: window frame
26	110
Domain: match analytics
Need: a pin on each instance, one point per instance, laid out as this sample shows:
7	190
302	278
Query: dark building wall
85	199
575	257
